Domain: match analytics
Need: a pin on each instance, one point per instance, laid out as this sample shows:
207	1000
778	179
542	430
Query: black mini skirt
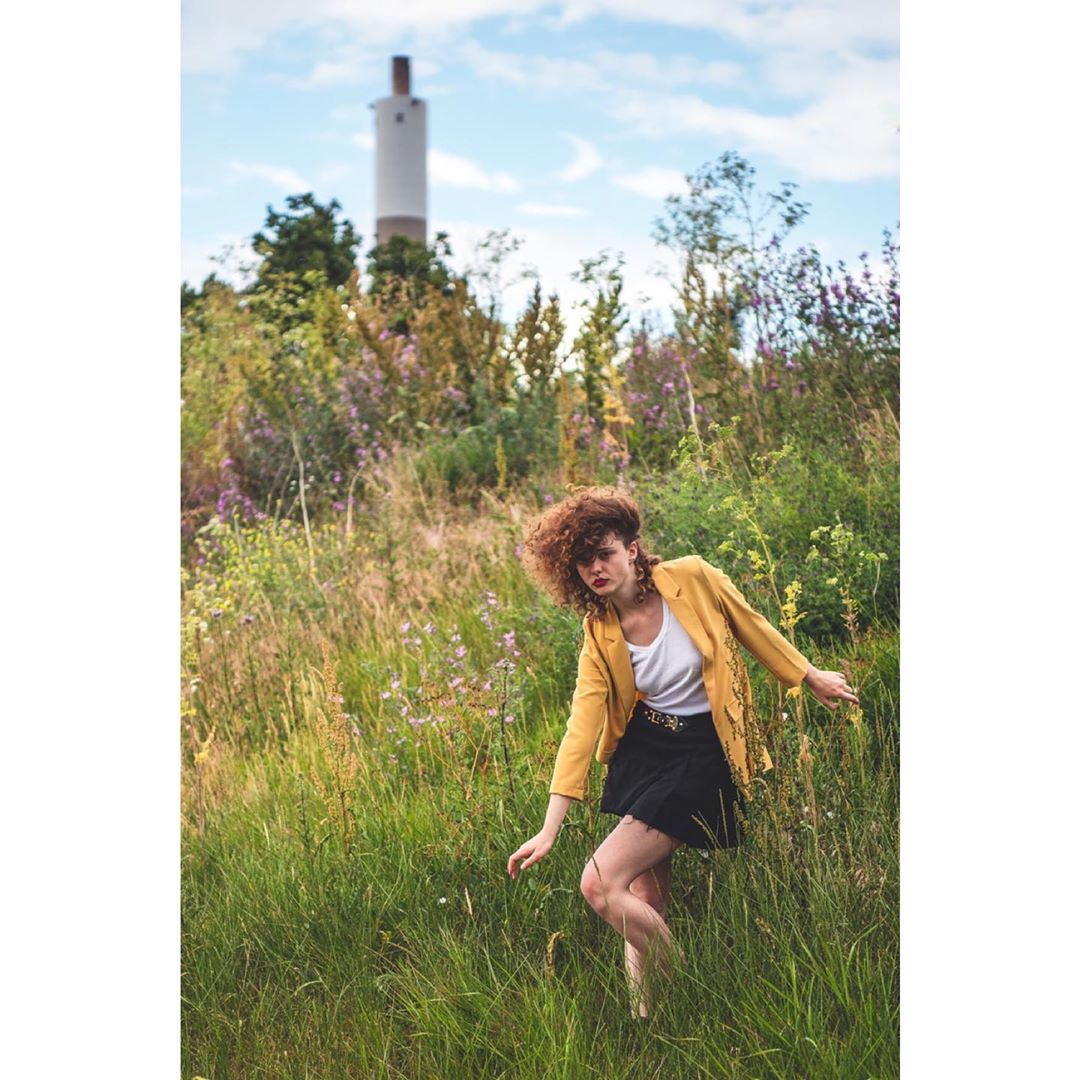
671	773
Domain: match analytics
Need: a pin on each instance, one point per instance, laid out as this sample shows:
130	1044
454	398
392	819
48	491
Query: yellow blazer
711	609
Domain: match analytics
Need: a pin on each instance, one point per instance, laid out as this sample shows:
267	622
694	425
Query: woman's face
611	567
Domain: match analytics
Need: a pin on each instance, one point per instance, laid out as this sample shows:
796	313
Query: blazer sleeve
754	631
587	713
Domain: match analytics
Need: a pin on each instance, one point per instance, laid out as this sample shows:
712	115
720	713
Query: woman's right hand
531	851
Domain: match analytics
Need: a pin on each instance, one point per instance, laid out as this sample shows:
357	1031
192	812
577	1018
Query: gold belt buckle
666	720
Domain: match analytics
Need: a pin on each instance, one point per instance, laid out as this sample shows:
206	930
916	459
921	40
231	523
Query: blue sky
567	123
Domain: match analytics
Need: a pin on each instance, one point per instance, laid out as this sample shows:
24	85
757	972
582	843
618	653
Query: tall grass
369	727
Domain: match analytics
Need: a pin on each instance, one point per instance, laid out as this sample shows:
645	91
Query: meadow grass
345	902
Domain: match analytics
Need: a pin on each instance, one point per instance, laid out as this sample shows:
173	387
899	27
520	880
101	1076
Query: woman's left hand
828	686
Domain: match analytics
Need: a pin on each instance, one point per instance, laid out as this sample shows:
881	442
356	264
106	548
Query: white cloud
674	70
351	64
800	73
721	72
845	129
217	33
808	24
848	133
587	161
602	72
364	139
276	175
452	170
527	69
551	210
654	182
332	73
332	173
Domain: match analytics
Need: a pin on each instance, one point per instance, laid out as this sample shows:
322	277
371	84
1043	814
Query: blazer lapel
618	659
682	609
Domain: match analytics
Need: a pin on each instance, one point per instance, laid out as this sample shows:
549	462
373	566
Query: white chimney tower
400	159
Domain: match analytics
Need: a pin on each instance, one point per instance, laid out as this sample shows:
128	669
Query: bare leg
654	888
629	851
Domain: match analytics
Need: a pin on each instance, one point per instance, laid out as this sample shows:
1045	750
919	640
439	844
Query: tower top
399	76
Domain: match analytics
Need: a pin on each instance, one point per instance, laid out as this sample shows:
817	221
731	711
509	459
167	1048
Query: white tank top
668	672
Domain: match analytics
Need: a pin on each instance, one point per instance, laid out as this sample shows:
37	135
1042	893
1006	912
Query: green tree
722	228
403	272
403	259
188	296
719	228
307	237
535	342
597	343
484	331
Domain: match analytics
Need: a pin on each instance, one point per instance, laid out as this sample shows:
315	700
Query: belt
663	719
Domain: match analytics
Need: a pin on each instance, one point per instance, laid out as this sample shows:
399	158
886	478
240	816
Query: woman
662	695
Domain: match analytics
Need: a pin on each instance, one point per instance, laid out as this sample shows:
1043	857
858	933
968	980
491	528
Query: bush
510	446
800	514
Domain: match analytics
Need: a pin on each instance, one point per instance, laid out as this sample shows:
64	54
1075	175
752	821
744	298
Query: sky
565	123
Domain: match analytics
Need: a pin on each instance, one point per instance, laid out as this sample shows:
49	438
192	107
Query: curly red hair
571	532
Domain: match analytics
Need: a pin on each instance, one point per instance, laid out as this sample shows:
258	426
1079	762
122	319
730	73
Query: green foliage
299	375
188	296
597	342
534	345
410	261
720	228
405	273
468	461
801	513
306	237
